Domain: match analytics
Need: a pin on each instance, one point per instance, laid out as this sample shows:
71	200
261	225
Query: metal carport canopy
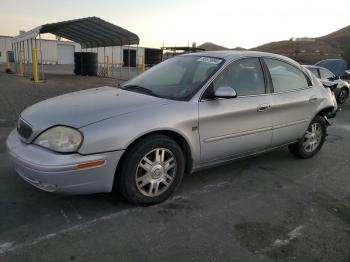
88	32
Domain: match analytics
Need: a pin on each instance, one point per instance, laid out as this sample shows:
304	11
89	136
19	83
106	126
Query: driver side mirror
225	92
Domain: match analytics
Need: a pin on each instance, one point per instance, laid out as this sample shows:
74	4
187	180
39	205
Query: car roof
233	54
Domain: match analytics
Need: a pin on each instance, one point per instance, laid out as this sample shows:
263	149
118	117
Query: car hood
82	108
336	66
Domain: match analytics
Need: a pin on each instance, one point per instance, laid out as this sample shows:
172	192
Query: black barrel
85	63
77	63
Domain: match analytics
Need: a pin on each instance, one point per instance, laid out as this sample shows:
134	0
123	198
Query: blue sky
245	23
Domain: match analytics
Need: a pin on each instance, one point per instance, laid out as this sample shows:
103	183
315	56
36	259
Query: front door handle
263	107
313	99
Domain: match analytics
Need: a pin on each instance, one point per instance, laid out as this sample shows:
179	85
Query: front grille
24	129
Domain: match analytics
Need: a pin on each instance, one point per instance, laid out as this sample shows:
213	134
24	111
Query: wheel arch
324	112
177	137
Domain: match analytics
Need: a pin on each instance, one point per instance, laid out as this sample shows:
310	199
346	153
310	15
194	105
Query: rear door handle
313	99
263	107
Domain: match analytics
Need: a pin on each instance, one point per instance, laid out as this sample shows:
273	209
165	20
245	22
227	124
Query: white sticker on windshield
210	60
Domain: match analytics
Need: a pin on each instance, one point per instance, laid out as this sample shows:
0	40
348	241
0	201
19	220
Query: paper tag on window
210	60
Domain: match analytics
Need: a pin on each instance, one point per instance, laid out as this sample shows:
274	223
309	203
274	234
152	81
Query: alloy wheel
156	172
313	137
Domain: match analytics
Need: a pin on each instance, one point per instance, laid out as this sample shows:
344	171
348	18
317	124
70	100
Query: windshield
178	78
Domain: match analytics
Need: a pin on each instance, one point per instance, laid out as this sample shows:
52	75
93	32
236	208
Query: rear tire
151	170
312	141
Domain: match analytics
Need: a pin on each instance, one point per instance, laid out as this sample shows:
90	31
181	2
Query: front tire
151	170
312	141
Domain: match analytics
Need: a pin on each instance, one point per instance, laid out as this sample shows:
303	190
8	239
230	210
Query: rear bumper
60	173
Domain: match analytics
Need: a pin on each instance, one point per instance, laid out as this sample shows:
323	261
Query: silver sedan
187	113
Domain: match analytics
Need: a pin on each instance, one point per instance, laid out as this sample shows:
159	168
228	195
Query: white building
305	39
62	52
5	45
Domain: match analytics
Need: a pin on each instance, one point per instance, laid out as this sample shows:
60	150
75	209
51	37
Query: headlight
61	139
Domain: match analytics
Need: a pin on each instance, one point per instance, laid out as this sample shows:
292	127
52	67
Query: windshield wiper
139	89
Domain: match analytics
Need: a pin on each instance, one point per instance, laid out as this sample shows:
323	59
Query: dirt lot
272	207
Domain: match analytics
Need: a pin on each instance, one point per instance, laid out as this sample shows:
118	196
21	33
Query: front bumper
54	172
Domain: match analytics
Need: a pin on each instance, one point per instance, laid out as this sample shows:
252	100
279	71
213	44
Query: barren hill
341	33
212	47
333	45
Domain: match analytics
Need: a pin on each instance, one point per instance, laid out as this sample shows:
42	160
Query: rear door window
285	77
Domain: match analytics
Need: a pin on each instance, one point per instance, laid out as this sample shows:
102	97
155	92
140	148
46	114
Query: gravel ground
272	207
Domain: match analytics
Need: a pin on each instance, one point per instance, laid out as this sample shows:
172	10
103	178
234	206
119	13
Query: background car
341	87
346	75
